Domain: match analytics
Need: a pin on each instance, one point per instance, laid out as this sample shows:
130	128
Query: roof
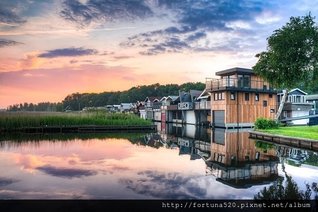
312	97
195	93
204	95
152	99
297	90
173	98
235	70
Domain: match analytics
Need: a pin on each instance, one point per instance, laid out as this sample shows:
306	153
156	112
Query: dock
82	129
303	143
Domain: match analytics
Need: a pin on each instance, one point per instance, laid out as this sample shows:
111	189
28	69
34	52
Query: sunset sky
51	48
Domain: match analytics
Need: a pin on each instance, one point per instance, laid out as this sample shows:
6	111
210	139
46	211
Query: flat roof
235	70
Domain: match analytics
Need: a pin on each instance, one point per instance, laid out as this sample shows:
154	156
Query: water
175	163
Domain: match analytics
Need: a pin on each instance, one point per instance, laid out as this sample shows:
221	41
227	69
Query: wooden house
239	97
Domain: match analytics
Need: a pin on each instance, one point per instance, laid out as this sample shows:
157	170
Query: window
264	103
270	95
219	96
232	96
264	87
247	97
256	97
272	110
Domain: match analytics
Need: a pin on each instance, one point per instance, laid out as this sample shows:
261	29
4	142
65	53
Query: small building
296	105
239	97
152	106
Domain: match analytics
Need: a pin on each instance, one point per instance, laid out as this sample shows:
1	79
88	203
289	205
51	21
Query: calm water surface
175	163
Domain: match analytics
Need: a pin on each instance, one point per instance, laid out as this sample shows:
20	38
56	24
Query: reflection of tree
289	190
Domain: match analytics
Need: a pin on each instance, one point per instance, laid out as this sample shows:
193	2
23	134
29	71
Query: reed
16	120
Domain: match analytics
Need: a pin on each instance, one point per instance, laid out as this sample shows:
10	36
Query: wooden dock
83	129
303	143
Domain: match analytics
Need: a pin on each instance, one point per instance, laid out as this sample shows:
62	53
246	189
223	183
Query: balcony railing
237	84
204	105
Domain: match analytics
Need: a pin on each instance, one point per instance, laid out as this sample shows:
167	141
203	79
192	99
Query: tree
291	59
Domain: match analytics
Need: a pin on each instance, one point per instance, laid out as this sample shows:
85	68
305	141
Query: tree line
77	101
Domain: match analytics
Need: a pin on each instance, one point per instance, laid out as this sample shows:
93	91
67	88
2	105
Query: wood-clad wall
242	111
239	145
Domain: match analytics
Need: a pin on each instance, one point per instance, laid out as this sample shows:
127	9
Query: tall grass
16	120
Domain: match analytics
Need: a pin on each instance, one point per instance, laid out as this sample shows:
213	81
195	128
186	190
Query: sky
52	48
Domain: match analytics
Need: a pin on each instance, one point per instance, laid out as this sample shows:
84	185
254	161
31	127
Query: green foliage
77	101
310	132
291	59
264	145
17	120
263	123
289	191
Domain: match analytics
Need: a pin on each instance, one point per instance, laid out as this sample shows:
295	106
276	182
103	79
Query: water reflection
177	162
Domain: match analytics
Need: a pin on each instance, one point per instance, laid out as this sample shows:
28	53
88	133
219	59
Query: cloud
194	20
66	172
165	185
103	10
8	16
68	52
5	43
7	181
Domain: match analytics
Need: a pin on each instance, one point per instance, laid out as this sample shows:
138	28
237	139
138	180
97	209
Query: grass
16	120
310	132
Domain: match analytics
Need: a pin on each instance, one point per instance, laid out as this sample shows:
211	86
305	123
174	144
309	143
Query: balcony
172	107
238	85
204	105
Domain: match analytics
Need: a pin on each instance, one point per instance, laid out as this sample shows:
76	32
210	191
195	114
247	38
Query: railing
202	105
237	84
172	107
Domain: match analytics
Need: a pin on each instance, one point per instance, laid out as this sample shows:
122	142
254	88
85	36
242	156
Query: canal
177	162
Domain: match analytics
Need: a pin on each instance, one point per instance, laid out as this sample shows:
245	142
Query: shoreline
304	143
81	129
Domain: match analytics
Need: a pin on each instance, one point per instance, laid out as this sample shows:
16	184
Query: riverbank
304	143
85	121
306	132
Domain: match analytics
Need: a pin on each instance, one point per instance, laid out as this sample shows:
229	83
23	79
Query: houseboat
239	97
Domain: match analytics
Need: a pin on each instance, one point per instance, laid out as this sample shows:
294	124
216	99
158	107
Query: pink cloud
54	84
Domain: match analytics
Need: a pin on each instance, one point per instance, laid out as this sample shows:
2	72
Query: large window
244	81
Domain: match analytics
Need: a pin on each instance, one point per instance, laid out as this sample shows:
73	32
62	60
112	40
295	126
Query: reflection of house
296	105
186	146
237	162
239	97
